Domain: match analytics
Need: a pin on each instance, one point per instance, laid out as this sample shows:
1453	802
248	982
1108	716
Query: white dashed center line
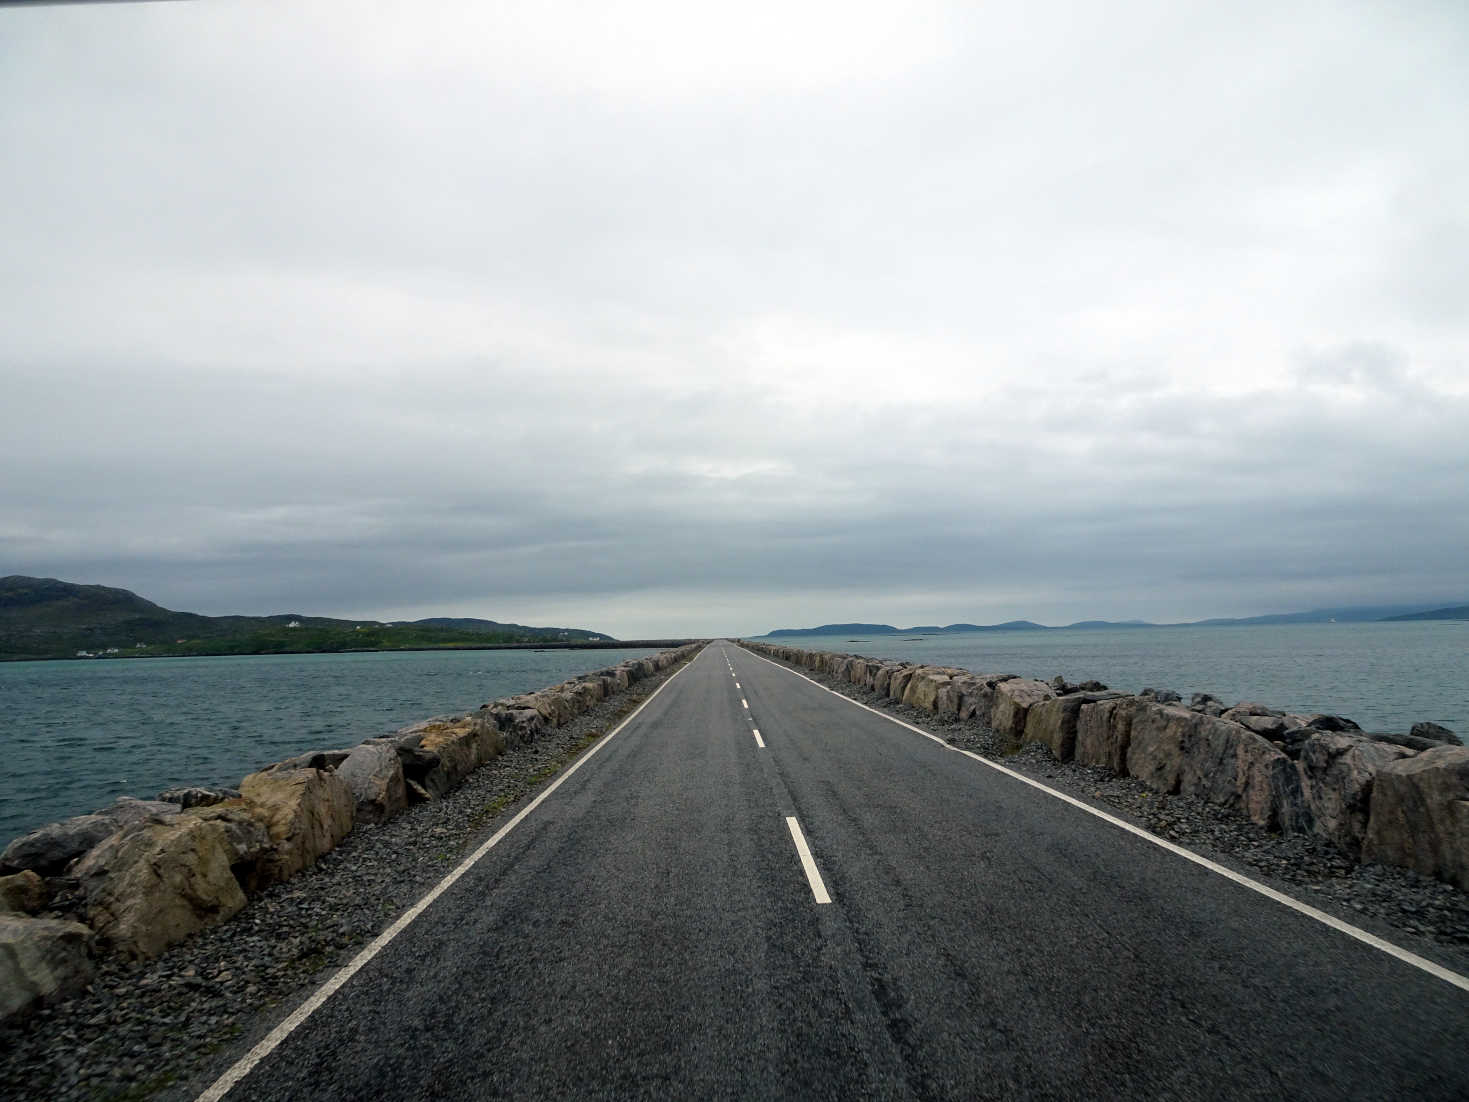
818	889
745	704
760	742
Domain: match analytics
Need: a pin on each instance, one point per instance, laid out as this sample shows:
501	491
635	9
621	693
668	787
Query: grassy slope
46	618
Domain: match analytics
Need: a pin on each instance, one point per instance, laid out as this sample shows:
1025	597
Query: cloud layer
654	324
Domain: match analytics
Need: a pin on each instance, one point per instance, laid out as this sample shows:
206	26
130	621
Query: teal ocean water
77	734
1385	676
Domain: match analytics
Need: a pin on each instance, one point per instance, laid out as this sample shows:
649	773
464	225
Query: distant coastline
1347	615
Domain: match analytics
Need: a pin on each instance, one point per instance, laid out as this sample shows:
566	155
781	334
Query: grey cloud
1035	312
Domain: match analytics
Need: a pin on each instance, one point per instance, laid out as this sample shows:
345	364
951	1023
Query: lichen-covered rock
462	747
374	773
1420	814
1172	749
153	884
1337	774
1012	703
51	848
307	812
898	683
23	893
1104	732
41	960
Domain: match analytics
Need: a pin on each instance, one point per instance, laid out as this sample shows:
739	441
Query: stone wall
1390	798
145	874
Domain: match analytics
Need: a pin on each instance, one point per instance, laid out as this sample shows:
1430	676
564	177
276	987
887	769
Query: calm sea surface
1385	676
74	735
77	734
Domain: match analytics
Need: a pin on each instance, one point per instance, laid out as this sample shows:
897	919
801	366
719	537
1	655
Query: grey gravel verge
1422	915
140	1028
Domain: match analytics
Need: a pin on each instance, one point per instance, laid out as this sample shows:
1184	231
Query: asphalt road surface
653	929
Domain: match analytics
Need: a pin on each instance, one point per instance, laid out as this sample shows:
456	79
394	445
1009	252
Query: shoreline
610	644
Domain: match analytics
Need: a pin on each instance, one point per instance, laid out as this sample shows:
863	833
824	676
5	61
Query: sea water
1385	676
76	734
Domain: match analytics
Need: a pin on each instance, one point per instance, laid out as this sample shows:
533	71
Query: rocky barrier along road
1391	799
135	878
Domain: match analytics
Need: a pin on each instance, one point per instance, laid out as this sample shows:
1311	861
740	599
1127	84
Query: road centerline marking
813	874
745	704
760	742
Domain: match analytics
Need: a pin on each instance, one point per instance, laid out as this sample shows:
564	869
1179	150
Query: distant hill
1458	612
1346	615
49	618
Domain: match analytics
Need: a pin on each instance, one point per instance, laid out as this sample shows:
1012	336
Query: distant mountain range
1346	615
1458	612
48	618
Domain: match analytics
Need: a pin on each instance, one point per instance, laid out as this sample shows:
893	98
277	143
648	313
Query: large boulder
1172	749
1052	723
1337	772
50	849
1012	704
977	696
923	688
1420	814
883	678
307	812
517	726
898	683
462	746
41	960
374	773
1104	733
23	893
153	884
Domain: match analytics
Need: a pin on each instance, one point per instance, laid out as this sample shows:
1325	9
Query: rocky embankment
129	881
1385	799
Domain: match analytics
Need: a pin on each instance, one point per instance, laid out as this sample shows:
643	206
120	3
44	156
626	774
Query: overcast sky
656	320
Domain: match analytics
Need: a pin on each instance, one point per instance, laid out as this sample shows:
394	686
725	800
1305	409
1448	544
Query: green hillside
47	618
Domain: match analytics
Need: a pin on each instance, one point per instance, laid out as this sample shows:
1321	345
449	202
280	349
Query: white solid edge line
760	742
242	1067
1436	970
813	875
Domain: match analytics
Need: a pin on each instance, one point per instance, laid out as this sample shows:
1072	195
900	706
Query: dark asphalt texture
648	932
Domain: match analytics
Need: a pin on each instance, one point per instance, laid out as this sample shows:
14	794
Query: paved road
650	931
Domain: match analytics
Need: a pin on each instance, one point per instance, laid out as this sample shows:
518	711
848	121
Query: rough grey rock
152	884
374	773
51	848
1337	772
1104	732
41	960
1013	701
1411	742
198	797
306	811
1331	723
1053	723
1435	732
1420	814
1178	751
